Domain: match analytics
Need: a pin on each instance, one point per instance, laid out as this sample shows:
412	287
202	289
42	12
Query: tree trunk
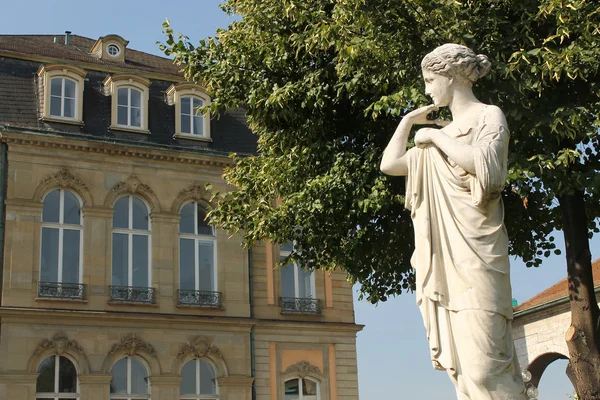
582	336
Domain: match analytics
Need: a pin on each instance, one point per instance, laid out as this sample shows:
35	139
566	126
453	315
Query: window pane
206	263
69	88
118	383
136	117
139	377
186	223
69	108
309	388
122	97
120	259
72	210
207	378
70	270
140	214
185	124
289	246
140	261
304	283
292	390
49	267
199	125
287	281
56	87
187	277
121	213
67	378
45	380
188	383
122	115
51	207
203	227
197	103
136	98
185	106
55	106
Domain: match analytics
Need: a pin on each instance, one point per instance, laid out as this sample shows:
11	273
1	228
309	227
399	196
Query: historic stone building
112	284
540	325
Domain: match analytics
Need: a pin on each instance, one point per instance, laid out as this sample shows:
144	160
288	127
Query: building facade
113	286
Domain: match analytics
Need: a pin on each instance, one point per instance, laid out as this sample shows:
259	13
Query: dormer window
129	102
61	93
190	122
113	50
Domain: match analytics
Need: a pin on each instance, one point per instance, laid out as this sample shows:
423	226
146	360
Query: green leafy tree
324	84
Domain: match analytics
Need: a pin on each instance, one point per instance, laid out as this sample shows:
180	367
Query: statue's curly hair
455	60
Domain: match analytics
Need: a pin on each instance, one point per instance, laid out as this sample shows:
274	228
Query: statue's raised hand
419	116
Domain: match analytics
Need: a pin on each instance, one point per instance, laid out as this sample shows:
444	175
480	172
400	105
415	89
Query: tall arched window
301	389
63	97
192	120
197	258
57	379
129	107
131	277
199	381
129	380
61	247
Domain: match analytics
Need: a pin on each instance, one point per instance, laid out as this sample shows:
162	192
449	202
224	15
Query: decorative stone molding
133	186
60	345
196	192
200	347
303	369
132	345
63	179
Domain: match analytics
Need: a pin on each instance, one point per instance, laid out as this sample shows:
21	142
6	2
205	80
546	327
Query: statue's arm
461	153
393	161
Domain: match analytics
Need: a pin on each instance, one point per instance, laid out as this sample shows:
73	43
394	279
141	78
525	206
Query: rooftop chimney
67	37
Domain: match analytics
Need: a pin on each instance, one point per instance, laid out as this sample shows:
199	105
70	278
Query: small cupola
110	48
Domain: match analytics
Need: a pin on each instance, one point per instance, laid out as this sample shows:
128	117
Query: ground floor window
301	389
129	380
57	379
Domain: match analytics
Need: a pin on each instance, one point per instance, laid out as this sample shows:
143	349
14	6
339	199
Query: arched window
131	278
199	381
63	97
192	120
61	247
197	258
301	389
57	379
129	107
129	380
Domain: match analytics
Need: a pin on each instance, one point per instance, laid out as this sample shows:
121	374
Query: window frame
46	73
61	226
198	238
58	395
193	113
174	95
112	84
130	232
199	396
128	395
300	379
129	107
297	267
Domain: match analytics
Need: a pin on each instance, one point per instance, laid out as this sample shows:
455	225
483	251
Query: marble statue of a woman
454	179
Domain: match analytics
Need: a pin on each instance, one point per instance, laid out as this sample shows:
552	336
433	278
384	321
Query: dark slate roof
19	107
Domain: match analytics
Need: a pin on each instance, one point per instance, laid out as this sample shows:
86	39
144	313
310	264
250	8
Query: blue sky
393	357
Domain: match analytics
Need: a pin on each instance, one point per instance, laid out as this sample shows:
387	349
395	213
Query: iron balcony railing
61	290
199	298
132	294
297	305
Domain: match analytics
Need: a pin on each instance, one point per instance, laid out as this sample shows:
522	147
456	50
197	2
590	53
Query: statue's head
451	64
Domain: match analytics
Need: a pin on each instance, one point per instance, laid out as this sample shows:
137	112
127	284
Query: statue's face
438	88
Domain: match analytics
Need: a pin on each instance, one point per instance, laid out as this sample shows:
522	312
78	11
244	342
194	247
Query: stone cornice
97	212
236	380
115	149
95	379
25	205
166	380
17	377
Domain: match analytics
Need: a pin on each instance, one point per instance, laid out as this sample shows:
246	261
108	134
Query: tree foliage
324	84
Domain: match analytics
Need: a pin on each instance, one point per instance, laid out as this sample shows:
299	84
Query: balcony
199	298
61	291
132	294
296	305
